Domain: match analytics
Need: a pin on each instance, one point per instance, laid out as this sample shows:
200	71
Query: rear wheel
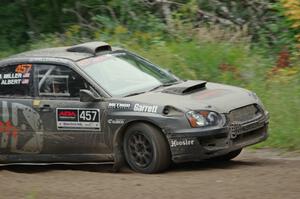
228	156
146	149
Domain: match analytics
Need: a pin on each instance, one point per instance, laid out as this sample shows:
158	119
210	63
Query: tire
229	156
146	149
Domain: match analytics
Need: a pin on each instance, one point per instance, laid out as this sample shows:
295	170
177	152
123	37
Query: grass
244	67
280	93
282	99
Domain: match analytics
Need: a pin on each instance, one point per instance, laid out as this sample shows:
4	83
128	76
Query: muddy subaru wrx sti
94	103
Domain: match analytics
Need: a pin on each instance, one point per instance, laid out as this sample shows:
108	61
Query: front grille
244	114
250	135
245	119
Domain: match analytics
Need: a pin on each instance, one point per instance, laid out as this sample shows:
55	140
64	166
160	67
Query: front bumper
200	144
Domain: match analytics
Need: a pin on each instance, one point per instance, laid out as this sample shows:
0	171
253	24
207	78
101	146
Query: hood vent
185	87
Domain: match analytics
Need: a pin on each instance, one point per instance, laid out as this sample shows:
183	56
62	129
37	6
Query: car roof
59	52
74	53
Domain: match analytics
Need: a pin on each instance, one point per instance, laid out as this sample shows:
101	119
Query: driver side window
59	81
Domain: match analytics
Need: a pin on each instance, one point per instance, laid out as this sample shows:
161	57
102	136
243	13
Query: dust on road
260	174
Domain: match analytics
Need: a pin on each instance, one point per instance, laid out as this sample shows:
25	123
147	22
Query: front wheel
146	149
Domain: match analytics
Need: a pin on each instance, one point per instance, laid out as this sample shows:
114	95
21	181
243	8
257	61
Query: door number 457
89	115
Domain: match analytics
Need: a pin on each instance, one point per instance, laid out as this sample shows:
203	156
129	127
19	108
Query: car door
70	126
20	125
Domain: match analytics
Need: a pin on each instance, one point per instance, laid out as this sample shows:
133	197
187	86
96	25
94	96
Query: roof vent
90	47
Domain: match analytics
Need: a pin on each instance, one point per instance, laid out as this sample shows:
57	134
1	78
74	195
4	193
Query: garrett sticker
145	108
78	119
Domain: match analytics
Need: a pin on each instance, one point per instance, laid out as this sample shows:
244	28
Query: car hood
196	95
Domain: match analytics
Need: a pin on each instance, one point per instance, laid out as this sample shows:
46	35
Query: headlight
204	118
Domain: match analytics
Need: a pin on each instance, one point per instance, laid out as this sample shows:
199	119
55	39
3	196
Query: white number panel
78	119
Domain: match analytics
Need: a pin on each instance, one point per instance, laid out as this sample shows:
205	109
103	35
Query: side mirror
88	96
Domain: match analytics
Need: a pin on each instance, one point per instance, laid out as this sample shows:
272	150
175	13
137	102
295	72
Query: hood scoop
186	87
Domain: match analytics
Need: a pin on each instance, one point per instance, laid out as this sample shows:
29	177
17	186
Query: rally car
95	103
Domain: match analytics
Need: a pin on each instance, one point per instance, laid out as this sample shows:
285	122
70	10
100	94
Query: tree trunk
166	10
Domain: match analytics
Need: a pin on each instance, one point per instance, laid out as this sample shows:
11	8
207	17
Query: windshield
124	74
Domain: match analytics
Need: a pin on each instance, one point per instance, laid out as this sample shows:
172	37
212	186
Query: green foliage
13	29
280	93
281	96
221	41
278	34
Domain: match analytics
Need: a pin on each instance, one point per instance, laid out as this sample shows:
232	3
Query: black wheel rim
140	149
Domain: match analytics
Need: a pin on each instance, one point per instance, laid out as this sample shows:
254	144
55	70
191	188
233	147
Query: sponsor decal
77	119
182	142
26	75
67	115
119	106
145	108
11	76
8	129
23	68
11	82
115	121
20	76
25	81
16	118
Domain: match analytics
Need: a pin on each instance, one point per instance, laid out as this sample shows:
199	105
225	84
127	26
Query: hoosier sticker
77	119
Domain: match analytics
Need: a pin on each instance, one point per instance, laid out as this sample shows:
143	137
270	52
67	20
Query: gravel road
254	174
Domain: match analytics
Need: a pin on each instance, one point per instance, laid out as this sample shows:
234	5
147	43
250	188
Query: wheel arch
119	135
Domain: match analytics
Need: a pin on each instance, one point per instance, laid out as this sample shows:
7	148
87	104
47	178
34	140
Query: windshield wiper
157	87
164	85
132	94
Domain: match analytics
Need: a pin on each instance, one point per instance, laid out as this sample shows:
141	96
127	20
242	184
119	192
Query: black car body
94	103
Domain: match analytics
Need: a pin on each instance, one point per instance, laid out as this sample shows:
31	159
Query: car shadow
105	168
210	165
108	168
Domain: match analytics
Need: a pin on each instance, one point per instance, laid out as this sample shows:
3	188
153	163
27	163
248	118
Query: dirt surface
254	174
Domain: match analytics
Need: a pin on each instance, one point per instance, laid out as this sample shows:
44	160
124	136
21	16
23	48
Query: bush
216	59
